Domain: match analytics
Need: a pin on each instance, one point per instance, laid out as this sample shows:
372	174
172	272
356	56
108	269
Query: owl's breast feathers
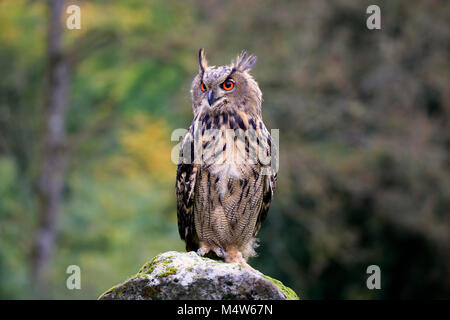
225	181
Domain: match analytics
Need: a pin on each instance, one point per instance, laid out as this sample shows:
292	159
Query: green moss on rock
149	265
107	291
288	292
169	272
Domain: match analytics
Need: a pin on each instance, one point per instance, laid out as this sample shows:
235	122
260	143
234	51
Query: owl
226	174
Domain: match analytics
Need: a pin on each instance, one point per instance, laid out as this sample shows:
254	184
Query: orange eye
203	87
228	85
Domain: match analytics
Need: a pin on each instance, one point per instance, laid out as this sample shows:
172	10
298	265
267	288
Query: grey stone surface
185	275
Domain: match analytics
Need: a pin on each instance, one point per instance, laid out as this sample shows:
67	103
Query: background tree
54	153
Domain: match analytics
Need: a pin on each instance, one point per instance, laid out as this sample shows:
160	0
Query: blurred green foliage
364	141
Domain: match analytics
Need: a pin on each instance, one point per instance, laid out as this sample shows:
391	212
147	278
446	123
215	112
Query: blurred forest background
86	118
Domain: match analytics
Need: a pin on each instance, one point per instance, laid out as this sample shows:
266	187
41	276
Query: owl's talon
203	250
222	253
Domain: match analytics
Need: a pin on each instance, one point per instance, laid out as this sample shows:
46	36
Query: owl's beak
211	98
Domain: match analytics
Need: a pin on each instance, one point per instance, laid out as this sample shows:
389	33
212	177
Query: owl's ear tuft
203	64
244	61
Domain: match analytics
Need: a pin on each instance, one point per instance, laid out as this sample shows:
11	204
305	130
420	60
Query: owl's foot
234	255
206	248
203	251
220	253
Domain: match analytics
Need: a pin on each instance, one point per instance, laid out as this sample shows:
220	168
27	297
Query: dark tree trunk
54	152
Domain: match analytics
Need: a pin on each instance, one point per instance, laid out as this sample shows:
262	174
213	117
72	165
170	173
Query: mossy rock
185	275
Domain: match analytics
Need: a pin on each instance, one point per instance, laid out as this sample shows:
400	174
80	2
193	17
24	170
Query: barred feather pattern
218	202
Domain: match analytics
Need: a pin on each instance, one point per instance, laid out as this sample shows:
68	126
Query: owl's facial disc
216	86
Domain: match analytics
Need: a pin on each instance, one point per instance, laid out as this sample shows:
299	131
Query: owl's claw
220	253
202	251
223	254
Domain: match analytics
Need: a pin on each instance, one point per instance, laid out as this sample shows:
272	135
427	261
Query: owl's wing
270	179
185	186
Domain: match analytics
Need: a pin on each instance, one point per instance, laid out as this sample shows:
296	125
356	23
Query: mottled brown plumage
225	177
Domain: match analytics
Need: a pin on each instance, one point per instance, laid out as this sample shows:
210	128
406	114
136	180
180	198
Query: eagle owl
225	178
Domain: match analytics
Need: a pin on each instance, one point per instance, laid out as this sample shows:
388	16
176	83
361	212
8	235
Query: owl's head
223	87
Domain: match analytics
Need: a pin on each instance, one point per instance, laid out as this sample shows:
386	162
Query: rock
176	275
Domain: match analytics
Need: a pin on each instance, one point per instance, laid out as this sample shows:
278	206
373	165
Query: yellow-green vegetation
107	291
168	272
288	292
149	266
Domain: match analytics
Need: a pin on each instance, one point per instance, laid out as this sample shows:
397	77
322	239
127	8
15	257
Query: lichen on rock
184	275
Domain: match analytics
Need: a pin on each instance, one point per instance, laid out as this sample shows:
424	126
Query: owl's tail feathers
249	249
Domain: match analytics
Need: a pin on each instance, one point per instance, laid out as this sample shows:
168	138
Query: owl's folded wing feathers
270	179
185	185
